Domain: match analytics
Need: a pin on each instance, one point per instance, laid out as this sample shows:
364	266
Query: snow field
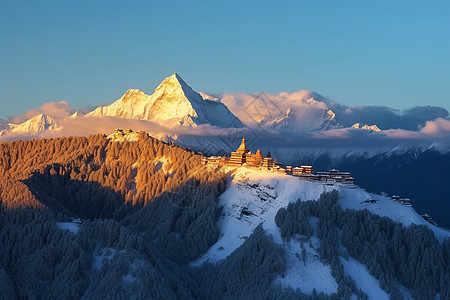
363	280
72	227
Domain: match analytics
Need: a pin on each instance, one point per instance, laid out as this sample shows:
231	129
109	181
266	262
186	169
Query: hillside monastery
243	157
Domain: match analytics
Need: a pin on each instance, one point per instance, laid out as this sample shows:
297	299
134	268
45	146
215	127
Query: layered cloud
388	118
423	125
292	147
253	108
438	127
83	126
57	110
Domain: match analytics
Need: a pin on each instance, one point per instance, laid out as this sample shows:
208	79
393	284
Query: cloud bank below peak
299	119
309	102
57	110
389	118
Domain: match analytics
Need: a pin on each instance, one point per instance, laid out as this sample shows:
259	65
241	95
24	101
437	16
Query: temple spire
242	148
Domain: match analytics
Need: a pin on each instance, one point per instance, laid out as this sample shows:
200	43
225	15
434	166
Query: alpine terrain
100	217
301	127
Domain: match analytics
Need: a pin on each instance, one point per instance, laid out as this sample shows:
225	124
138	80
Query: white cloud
57	110
438	127
308	105
264	109
252	108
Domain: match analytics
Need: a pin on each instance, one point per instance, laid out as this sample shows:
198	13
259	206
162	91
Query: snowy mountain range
76	115
174	103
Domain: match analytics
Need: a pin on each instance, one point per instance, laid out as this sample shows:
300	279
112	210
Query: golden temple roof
242	148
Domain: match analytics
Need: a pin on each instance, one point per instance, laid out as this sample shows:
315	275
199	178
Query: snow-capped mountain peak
173	103
328	121
131	105
75	115
295	120
132	94
176	86
366	127
36	124
284	122
331	114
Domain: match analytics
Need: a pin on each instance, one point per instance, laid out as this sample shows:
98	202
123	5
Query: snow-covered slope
385	207
254	196
39	123
72	227
309	273
363	279
173	103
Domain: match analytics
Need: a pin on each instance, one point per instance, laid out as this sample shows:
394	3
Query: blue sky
392	53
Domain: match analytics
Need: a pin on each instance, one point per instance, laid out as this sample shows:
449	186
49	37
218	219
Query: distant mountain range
175	104
415	172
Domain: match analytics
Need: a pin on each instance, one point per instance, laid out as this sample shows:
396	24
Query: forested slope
46	181
92	177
